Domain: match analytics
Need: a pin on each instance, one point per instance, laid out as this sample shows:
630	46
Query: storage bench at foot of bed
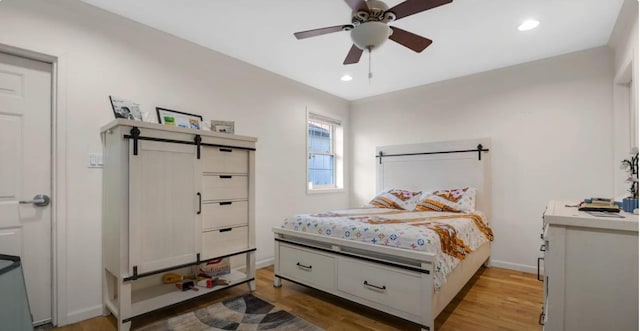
393	290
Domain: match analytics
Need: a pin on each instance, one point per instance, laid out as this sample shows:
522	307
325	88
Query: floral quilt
451	236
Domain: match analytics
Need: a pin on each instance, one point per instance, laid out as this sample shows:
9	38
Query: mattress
450	236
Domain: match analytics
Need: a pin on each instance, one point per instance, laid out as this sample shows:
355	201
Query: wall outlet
95	160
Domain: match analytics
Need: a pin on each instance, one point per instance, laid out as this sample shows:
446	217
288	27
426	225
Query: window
324	144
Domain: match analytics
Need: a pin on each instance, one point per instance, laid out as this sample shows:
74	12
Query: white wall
624	42
109	55
550	122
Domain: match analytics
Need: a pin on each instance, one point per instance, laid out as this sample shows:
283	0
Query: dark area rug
241	313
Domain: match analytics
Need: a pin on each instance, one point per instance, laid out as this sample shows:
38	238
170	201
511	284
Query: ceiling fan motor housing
376	11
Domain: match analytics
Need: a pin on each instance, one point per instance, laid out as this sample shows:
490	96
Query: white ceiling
469	36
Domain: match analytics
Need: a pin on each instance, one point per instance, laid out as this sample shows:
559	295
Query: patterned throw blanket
451	236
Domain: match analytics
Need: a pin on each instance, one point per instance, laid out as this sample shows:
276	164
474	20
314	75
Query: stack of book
599	204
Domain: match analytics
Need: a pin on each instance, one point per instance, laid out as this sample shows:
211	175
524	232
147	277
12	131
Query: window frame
336	136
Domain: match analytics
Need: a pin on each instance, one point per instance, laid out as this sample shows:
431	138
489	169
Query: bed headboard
437	165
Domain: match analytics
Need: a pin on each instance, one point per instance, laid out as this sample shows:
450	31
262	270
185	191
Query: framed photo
125	109
222	126
177	118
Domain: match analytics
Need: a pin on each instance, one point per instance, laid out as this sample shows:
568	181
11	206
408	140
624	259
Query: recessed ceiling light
528	25
346	78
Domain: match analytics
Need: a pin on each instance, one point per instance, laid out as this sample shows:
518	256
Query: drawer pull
304	267
226	150
543	248
540	259
226	230
379	288
225	177
225	203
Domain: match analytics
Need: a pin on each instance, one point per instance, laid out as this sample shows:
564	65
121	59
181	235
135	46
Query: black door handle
540	259
199	203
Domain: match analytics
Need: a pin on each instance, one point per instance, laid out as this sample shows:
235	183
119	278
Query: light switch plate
95	160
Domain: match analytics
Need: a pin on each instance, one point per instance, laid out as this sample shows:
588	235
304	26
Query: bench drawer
395	288
307	267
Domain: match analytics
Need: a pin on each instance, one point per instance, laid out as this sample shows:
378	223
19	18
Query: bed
354	254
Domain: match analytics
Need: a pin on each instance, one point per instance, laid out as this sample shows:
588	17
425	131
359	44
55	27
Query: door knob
39	200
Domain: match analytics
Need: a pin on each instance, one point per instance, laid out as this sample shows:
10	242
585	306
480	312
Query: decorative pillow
458	200
396	199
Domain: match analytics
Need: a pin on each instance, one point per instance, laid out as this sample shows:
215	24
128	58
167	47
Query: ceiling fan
369	26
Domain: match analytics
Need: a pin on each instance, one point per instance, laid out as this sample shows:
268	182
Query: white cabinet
591	270
172	198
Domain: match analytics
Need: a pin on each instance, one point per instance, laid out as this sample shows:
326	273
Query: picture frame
125	109
223	126
178	119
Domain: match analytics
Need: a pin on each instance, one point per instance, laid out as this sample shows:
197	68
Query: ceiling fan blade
409	40
354	55
318	32
411	7
357	4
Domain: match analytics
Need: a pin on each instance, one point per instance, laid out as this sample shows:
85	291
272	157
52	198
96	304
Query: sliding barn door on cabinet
165	197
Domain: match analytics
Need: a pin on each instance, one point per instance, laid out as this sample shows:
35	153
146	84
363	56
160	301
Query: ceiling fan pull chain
370	73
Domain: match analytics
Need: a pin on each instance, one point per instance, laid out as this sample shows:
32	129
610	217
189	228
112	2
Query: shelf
162	295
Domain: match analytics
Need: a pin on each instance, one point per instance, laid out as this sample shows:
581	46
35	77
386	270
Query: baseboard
83	314
265	263
513	266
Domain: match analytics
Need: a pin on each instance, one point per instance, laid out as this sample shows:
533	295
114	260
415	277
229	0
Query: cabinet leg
277	282
252	285
124	326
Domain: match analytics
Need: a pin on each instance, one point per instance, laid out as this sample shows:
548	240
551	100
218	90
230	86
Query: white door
25	171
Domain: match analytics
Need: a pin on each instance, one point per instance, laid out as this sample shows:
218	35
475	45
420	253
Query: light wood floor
494	299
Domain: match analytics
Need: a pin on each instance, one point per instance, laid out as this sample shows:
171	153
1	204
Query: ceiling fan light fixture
370	35
529	24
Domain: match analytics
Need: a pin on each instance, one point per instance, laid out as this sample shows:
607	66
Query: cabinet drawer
394	288
227	160
225	187
224	214
307	267
221	242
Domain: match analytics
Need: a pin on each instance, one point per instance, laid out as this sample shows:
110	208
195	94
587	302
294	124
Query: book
599	200
610	207
603	214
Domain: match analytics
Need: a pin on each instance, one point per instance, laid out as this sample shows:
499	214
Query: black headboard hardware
479	149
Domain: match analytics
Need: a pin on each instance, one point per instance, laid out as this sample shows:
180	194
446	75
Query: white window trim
338	152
